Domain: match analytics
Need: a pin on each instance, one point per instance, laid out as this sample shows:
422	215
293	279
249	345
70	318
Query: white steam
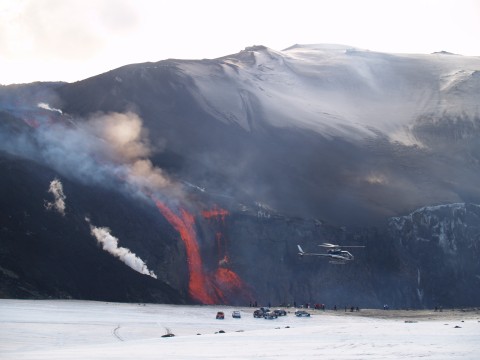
45	106
110	244
56	189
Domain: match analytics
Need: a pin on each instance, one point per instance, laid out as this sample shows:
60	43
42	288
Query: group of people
351	308
323	307
316	306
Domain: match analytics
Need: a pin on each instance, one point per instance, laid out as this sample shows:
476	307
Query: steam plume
56	189
110	244
48	107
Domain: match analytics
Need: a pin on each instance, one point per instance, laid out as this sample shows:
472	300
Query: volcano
265	148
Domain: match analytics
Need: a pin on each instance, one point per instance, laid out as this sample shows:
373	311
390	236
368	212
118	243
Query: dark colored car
280	312
258	313
220	315
269	315
302	313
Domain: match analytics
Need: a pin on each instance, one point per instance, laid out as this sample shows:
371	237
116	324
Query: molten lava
184	224
207	288
230	285
227	277
215	213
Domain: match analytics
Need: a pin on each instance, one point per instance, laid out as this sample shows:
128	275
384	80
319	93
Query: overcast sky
70	40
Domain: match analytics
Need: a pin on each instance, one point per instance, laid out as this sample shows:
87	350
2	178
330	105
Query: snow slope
93	330
335	89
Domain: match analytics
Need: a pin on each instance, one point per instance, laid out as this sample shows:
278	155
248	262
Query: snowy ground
96	330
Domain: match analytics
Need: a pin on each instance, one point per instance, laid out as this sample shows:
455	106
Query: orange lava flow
184	224
211	288
227	277
215	213
229	283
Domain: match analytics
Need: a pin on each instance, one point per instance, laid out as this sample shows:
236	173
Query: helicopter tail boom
300	251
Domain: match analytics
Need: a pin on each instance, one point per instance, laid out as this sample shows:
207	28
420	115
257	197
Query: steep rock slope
45	253
440	246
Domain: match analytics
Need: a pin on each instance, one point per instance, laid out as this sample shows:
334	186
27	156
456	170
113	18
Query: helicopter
334	252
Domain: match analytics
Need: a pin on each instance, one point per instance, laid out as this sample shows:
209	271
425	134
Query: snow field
97	330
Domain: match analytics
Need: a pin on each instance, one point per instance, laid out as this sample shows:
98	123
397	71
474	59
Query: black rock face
426	259
47	255
439	247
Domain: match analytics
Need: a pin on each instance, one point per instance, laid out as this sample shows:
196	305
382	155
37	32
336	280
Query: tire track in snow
115	333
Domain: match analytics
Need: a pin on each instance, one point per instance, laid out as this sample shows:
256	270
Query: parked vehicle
269	315
302	313
260	312
236	314
280	312
220	315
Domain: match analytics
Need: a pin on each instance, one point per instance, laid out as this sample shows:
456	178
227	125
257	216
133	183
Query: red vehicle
220	315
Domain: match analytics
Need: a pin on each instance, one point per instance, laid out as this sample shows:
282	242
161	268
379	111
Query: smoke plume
56	189
123	137
110	244
102	150
124	142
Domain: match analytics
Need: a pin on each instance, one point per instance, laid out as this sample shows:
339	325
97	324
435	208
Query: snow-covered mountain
243	149
337	90
311	130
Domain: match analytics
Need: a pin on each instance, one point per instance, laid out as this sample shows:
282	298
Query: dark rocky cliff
428	258
440	250
46	255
